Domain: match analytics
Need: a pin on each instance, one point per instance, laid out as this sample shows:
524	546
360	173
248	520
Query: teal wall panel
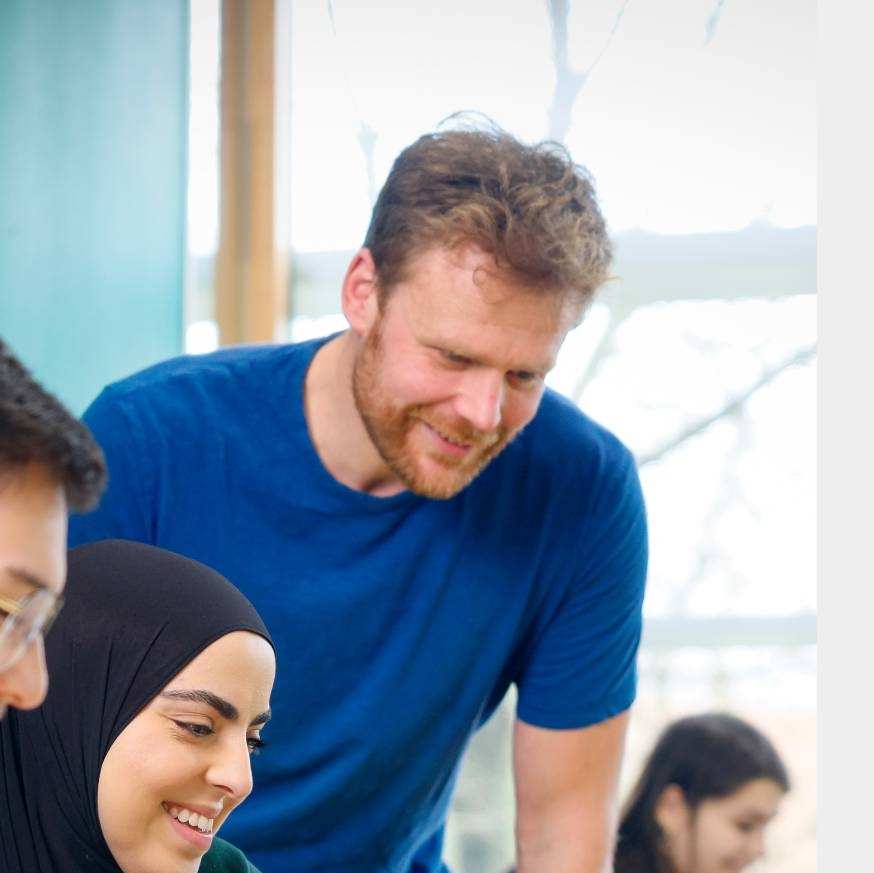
93	132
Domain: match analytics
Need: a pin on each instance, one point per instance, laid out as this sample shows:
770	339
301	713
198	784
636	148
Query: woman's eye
193	728
255	745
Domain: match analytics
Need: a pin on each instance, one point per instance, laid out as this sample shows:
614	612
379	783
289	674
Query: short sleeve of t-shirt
579	665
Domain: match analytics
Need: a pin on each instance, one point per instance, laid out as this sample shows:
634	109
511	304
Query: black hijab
135	615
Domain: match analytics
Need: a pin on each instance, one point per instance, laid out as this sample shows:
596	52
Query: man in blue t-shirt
419	522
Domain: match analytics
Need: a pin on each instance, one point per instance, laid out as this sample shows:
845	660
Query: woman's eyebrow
223	707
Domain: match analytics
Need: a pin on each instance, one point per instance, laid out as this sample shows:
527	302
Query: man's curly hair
35	427
529	206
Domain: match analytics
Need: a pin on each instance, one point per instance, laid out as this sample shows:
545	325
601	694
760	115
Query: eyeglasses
24	621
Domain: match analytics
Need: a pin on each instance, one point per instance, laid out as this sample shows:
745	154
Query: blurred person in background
706	795
423	522
49	464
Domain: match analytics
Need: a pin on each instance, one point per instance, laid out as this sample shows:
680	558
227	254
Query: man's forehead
447	301
482	268
460	275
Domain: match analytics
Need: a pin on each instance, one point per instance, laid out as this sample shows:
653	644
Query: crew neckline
350	497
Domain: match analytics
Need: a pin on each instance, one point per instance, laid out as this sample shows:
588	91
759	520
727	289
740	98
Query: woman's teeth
192	819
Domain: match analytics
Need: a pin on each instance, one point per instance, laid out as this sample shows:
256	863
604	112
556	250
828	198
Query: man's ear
359	295
672	811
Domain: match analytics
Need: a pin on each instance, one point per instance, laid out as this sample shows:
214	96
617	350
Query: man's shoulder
563	460
193	385
229	365
250	386
563	437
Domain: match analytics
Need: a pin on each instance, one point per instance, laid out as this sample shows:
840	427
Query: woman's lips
190	835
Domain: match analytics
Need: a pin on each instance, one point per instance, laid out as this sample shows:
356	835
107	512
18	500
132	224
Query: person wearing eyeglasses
49	464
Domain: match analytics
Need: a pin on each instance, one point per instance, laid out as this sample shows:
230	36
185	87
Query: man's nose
481	399
25	683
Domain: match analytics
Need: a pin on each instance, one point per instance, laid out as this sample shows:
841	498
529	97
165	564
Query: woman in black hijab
160	675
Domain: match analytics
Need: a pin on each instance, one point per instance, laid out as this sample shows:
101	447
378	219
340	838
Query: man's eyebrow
223	707
27	577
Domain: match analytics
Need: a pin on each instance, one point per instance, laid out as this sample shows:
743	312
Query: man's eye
454	358
524	376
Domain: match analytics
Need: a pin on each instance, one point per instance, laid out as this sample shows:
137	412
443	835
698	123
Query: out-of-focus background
184	174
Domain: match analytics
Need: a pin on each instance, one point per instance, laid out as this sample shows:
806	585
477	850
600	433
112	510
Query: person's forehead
229	667
462	296
757	797
467	266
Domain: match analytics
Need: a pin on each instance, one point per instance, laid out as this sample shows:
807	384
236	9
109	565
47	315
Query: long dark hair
706	756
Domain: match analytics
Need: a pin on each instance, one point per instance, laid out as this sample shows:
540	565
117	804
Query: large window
697	120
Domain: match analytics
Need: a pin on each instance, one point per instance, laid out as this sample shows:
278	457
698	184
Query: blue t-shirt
399	621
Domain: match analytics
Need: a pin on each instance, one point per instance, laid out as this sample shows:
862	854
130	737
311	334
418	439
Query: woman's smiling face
186	754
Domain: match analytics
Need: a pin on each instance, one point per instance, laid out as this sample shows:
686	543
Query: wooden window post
251	266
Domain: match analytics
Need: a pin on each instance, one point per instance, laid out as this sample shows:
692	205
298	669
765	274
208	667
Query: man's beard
389	427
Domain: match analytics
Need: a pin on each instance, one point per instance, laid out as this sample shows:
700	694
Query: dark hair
35	427
706	756
529	206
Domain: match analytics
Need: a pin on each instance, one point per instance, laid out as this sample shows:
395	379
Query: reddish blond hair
529	206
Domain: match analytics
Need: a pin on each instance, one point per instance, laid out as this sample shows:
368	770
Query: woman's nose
232	770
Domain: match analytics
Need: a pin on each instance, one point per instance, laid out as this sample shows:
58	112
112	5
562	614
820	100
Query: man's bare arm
566	796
